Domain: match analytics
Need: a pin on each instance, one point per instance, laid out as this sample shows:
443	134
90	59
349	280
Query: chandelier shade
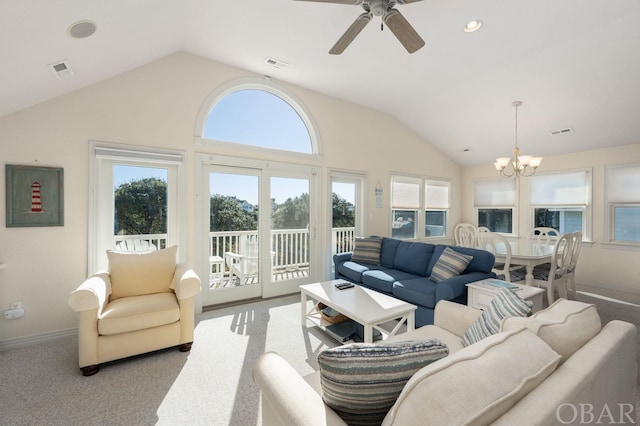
517	165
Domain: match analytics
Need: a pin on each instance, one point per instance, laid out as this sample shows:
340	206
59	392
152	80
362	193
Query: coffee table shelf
367	307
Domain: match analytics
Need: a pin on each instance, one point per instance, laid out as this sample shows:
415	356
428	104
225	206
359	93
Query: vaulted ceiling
573	63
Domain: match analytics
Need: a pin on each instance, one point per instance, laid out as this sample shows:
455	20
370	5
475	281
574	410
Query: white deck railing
289	247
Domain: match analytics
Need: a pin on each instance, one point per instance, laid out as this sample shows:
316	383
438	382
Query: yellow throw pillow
134	274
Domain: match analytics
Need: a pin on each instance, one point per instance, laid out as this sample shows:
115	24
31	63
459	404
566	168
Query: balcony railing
289	247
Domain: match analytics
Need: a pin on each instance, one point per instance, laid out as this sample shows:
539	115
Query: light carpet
211	385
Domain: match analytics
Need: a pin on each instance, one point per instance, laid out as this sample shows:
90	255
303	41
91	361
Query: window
495	200
560	200
436	207
134	197
258	114
623	203
406	205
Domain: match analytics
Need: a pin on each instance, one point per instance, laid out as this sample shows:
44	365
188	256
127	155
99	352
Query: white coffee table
480	294
367	307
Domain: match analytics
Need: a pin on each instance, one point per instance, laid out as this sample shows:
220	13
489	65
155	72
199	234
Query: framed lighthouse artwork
34	196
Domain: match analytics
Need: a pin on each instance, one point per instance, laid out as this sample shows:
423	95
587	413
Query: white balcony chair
465	234
491	242
135	245
245	264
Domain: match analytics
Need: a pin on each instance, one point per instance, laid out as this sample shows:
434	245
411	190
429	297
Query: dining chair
576	243
543	235
496	243
465	235
555	277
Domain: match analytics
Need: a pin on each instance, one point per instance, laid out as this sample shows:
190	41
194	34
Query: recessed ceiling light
82	29
472	26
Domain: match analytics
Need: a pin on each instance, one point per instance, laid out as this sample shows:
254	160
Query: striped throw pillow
449	264
505	304
362	381
367	251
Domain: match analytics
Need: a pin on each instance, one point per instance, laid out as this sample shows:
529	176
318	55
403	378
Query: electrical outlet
15	305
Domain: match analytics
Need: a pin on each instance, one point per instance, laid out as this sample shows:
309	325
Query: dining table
527	253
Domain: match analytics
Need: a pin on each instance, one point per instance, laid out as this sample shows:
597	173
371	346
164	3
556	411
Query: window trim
500	206
610	204
267	85
421	209
587	208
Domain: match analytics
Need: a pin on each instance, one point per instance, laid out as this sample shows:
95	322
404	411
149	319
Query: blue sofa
404	271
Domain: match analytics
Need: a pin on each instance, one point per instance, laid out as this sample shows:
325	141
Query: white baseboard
18	342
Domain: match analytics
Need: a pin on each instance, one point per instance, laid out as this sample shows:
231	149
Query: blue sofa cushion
382	280
413	257
420	291
353	271
388	251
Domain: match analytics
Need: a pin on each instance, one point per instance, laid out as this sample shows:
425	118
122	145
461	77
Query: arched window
258	114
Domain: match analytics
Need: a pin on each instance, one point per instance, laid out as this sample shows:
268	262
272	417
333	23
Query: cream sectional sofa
558	366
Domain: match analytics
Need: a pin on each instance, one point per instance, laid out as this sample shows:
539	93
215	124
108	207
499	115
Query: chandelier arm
522	165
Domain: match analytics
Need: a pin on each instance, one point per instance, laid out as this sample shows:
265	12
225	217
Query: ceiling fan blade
351	33
403	31
355	2
407	1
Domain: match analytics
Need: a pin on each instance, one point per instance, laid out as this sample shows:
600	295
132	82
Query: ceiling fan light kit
391	17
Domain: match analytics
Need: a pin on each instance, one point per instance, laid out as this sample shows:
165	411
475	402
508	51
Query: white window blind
437	194
405	193
565	189
495	193
623	184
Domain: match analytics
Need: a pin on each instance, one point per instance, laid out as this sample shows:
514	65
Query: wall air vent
61	70
276	63
561	131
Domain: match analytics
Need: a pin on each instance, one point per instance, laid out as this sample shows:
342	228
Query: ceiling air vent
276	63
561	131
61	70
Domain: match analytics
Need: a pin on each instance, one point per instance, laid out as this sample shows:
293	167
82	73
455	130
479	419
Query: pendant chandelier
518	165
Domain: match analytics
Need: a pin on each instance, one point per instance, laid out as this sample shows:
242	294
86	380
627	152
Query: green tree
292	214
227	214
141	207
344	212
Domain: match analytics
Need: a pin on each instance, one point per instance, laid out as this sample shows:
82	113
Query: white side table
480	294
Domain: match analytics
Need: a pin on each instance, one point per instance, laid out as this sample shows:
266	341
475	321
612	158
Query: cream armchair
144	302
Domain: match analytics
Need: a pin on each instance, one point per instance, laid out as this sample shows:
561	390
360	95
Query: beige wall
157	105
601	268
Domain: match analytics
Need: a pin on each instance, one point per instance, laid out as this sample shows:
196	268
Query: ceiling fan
397	23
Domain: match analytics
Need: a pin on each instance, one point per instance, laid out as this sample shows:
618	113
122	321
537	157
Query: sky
253	117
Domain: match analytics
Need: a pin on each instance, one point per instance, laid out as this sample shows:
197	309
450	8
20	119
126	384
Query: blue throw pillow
449	264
